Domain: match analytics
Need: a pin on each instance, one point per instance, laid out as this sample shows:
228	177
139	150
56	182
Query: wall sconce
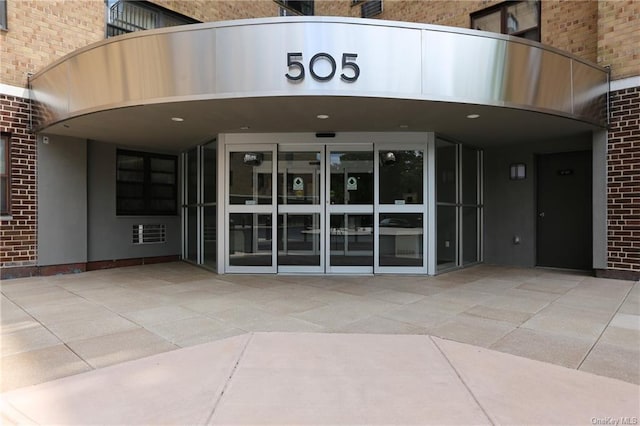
388	158
517	171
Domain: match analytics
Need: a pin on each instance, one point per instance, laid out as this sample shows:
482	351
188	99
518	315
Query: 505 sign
297	68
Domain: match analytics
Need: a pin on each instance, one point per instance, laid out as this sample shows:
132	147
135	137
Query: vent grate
147	233
371	8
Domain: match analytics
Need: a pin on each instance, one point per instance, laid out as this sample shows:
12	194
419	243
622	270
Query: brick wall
619	37
221	10
42	31
623	160
18	233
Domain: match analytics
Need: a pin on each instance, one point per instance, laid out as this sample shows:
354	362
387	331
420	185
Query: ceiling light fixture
322	116
177	119
473	116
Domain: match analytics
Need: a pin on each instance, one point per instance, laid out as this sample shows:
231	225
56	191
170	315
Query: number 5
348	64
296	64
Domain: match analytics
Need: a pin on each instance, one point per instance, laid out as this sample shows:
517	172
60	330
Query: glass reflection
401	177
299	239
250	178
250	237
299	178
401	239
351	177
351	239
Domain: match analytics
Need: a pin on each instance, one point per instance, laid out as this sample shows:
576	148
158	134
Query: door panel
564	231
349	214
300	209
251	209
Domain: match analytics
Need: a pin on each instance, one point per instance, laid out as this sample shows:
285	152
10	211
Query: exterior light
518	171
177	119
244	128
322	116
388	158
252	158
404	126
473	116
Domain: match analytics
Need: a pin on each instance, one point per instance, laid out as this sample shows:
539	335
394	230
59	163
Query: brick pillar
18	231
623	185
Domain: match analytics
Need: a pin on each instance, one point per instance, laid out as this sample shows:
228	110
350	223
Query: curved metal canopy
279	74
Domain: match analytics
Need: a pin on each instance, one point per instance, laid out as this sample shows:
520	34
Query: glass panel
250	237
469	176
446	237
299	239
446	172
351	239
192	234
250	177
210	170
192	177
299	178
3	157
522	16
401	177
210	236
401	242
4	189
490	22
469	235
351	177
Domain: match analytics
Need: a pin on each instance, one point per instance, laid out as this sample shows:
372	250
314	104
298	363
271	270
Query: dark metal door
564	229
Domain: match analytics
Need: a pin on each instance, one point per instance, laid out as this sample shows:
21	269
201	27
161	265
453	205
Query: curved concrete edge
313	378
515	390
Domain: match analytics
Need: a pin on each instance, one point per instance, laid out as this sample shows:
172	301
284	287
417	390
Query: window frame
502	9
147	185
6	137
113	29
4	21
286	5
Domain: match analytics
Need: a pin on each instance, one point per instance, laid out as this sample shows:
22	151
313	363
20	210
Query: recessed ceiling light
472	116
178	119
404	126
244	128
322	116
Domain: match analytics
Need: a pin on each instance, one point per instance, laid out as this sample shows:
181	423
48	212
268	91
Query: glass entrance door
349	208
300	209
251	209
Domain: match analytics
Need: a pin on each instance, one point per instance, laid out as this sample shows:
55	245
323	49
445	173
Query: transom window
516	18
146	184
5	179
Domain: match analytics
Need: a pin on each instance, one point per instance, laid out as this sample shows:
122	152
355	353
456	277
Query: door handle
541	214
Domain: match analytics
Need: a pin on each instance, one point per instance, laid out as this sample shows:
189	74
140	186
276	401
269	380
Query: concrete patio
59	326
54	327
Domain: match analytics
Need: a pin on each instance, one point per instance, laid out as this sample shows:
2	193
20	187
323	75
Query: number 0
329	58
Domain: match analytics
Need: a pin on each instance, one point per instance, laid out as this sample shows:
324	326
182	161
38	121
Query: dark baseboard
618	274
8	273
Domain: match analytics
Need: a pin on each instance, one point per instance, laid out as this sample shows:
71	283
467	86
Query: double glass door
315	209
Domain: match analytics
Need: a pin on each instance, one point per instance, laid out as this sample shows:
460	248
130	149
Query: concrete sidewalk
319	378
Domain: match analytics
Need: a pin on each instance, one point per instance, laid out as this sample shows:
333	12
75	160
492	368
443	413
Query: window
296	7
127	16
3	15
146	184
5	178
516	18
